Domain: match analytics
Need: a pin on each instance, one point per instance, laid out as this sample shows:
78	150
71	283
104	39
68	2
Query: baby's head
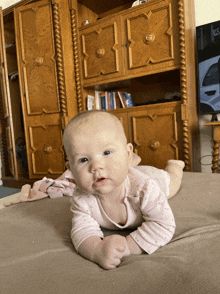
98	152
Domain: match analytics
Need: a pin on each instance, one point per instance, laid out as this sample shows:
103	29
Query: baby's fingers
120	247
111	264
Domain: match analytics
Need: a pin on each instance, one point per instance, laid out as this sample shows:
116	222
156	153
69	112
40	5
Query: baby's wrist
133	246
96	253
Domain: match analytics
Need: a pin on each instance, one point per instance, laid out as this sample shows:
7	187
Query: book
90	102
122	99
118	103
108	102
128	99
98	105
103	101
112	100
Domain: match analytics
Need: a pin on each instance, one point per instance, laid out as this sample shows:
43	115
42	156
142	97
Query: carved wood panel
46	150
154	135
42	84
38	60
6	105
150	33
101	51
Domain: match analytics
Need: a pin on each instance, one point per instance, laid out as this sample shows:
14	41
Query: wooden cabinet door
152	43
6	103
154	132
101	52
39	89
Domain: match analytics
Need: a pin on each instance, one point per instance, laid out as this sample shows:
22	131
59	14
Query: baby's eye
107	152
83	160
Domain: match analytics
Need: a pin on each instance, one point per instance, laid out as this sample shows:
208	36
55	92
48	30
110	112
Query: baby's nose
96	165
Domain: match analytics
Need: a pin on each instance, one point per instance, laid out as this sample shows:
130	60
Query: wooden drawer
154	134
152	43
101	52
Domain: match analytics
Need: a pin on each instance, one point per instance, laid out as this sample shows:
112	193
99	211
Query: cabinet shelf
103	8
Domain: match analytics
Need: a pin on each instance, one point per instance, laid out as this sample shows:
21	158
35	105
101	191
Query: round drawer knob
154	145
39	61
47	149
100	52
149	38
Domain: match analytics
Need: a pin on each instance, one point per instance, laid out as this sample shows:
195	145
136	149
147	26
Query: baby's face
99	158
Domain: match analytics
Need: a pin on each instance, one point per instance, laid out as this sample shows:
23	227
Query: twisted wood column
216	141
59	59
183	85
215	156
76	59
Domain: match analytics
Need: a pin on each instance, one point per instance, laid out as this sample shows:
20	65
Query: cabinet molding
8	137
184	94
76	59
60	67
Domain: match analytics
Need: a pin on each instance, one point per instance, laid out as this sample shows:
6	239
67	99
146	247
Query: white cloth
148	211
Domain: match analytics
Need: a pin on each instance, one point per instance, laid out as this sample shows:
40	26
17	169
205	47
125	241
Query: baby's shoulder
136	181
137	176
146	178
81	199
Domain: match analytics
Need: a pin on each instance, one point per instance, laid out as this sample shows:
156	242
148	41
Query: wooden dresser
146	50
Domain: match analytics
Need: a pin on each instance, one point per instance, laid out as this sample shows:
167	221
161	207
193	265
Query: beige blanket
37	255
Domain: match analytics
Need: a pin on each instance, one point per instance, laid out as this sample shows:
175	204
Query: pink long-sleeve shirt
148	211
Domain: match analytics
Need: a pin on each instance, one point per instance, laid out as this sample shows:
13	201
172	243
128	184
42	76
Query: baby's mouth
100	179
100	182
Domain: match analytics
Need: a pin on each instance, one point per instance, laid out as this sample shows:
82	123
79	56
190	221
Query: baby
112	194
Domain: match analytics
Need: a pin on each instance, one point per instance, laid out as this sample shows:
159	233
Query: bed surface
37	255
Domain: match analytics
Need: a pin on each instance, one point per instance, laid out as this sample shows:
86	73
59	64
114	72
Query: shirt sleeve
159	175
159	225
83	224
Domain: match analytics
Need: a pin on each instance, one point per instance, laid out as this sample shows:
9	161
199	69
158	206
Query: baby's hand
110	250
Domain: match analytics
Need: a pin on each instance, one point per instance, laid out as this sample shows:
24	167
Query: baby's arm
107	252
158	226
88	239
175	171
133	247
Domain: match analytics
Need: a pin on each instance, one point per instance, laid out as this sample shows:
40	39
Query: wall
206	12
6	3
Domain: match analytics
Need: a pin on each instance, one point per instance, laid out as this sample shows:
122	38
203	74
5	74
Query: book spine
107	101
103	101
121	96
90	102
98	100
118	101
112	104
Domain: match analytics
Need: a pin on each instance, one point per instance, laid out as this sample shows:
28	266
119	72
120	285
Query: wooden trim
6	99
60	66
183	86
76	59
3	69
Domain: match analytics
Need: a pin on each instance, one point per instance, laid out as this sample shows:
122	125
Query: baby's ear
67	164
135	159
130	152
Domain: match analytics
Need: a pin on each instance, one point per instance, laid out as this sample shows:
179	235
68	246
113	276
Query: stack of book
109	100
